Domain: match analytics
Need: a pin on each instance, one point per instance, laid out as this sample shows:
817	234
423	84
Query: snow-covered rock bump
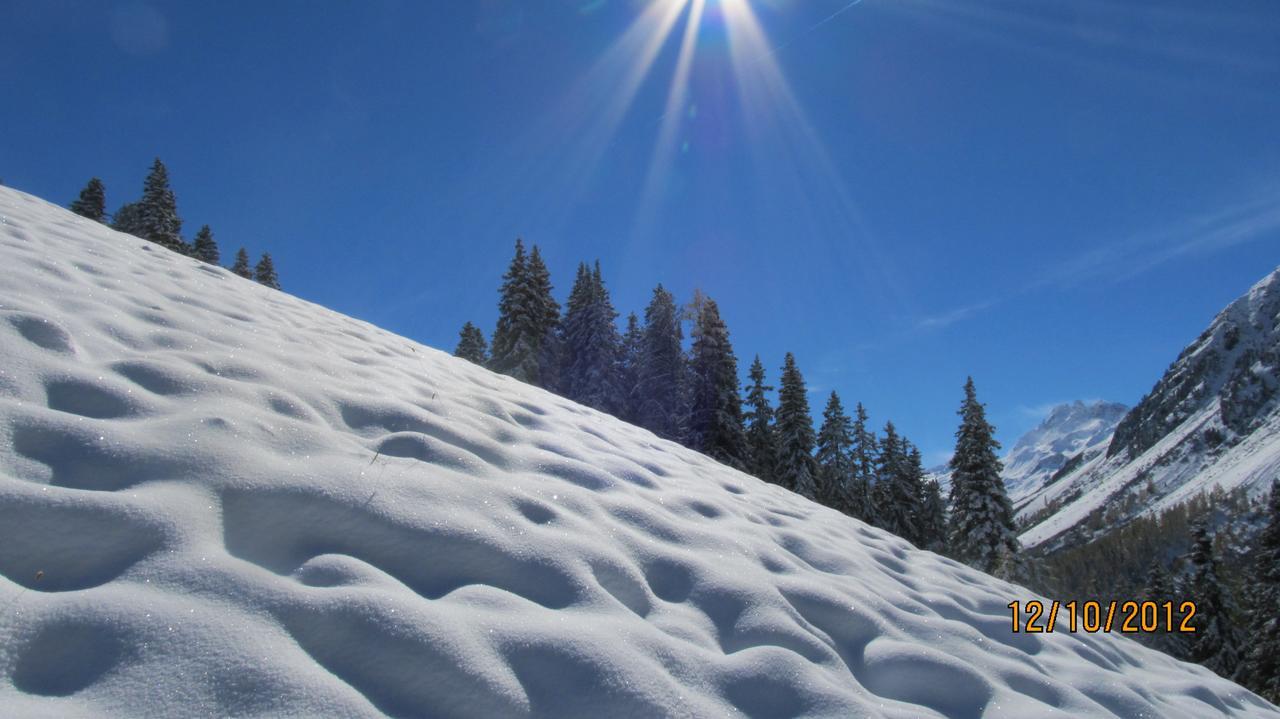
217	499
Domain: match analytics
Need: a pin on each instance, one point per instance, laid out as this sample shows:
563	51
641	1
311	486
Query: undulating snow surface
219	500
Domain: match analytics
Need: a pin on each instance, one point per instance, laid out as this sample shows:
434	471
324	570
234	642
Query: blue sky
1052	197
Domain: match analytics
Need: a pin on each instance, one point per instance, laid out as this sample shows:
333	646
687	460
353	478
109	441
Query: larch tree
797	470
982	532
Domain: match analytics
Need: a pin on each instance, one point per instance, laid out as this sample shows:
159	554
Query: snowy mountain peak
220	500
1068	430
1212	420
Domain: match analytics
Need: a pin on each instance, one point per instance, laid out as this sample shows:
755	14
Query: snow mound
217	499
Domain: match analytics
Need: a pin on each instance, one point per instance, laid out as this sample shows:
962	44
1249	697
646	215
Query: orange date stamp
1131	617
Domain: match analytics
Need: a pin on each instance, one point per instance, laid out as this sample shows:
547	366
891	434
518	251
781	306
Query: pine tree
1261	669
762	442
241	266
265	272
661	375
591	345
128	219
982	530
862	462
471	345
158	210
796	468
835	467
204	247
92	202
1216	644
629	367
715	418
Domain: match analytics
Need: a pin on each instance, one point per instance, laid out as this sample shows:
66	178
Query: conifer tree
128	219
899	487
661	375
862	462
629	367
158	210
523	340
715	418
834	444
92	202
1261	670
241	266
204	247
265	272
1216	644
591	344
545	312
1159	589
982	531
762	442
471	345
933	514
796	468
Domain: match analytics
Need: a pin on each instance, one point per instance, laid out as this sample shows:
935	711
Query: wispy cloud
1205	233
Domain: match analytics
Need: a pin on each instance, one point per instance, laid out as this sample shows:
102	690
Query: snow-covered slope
217	499
1213	419
1070	429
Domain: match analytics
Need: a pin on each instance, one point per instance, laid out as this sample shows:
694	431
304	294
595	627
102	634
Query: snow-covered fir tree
471	345
241	264
591	346
1159	589
933	512
158	210
92	202
204	247
660	379
629	367
796	468
834	444
982	532
715	417
128	219
547	313
762	441
1261	666
265	272
1215	644
527	321
898	489
862	463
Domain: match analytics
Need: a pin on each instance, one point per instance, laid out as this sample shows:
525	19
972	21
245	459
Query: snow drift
217	499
